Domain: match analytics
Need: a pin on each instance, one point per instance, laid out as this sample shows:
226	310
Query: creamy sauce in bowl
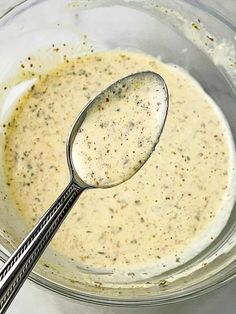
163	216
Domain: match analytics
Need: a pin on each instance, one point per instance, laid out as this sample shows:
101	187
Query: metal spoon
18	266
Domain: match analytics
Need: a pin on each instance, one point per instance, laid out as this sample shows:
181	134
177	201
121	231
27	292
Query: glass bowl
187	33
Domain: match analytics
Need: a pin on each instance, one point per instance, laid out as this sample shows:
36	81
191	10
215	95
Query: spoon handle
18	266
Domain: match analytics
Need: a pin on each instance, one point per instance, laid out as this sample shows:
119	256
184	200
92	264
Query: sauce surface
120	130
160	218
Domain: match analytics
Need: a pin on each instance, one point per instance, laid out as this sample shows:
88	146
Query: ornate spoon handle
16	269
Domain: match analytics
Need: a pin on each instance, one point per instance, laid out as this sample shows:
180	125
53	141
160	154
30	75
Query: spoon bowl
132	111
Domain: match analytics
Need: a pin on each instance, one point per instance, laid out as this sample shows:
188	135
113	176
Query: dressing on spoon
138	110
120	130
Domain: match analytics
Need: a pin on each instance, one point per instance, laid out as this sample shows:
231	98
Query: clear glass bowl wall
177	32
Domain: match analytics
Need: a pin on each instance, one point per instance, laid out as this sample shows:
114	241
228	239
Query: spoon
131	114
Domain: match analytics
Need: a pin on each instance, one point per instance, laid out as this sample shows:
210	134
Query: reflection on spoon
109	142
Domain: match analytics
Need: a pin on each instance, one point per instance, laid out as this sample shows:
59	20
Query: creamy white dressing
167	213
